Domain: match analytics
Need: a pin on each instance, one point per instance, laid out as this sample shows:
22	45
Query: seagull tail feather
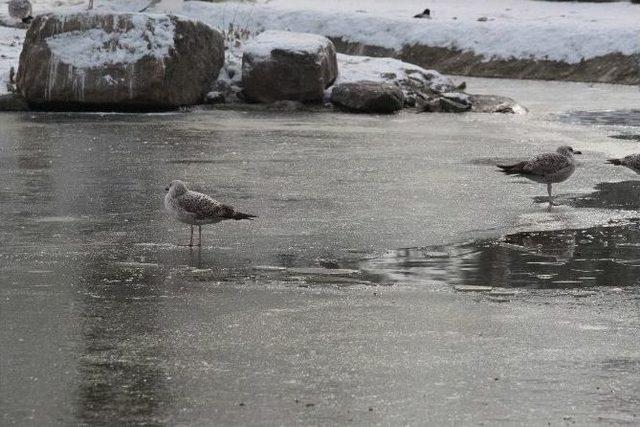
616	162
512	169
239	215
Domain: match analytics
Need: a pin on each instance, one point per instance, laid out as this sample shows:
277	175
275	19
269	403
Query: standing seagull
195	208
21	9
548	168
631	161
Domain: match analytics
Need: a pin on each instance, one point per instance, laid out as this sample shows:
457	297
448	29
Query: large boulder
280	65
123	61
368	97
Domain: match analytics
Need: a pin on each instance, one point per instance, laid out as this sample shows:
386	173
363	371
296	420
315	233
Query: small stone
214	97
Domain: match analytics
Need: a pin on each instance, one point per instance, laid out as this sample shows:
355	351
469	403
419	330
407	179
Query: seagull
631	161
195	208
21	9
548	168
425	14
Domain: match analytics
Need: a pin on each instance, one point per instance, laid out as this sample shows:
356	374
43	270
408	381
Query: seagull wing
546	164
200	205
205	207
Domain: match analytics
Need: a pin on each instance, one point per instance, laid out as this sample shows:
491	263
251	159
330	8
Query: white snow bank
150	35
522	29
262	45
389	70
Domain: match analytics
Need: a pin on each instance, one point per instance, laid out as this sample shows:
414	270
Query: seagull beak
577	152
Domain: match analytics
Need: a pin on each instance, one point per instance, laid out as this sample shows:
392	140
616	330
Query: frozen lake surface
351	298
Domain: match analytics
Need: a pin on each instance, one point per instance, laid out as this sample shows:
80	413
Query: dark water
603	117
565	259
605	255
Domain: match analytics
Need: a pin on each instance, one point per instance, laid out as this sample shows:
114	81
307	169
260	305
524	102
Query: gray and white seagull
631	161
548	168
194	208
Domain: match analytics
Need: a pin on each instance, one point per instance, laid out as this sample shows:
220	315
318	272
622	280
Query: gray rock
89	61
279	65
13	102
214	97
368	97
495	104
450	102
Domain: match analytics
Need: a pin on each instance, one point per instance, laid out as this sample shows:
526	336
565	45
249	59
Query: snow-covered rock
118	61
368	97
280	65
411	79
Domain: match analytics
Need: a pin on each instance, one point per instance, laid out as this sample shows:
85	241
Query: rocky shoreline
138	62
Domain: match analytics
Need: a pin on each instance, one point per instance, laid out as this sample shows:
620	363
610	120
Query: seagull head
568	151
176	188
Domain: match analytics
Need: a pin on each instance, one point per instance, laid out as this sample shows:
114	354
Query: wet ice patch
608	195
59	219
603	117
575	259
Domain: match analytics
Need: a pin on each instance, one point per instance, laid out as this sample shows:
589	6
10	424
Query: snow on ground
567	32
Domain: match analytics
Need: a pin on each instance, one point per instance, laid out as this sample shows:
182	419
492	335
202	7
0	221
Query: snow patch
148	36
522	29
262	45
10	46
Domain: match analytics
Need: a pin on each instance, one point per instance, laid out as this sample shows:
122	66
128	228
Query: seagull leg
190	240
199	235
550	197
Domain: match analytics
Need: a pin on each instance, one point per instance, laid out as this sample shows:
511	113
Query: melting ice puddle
521	260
